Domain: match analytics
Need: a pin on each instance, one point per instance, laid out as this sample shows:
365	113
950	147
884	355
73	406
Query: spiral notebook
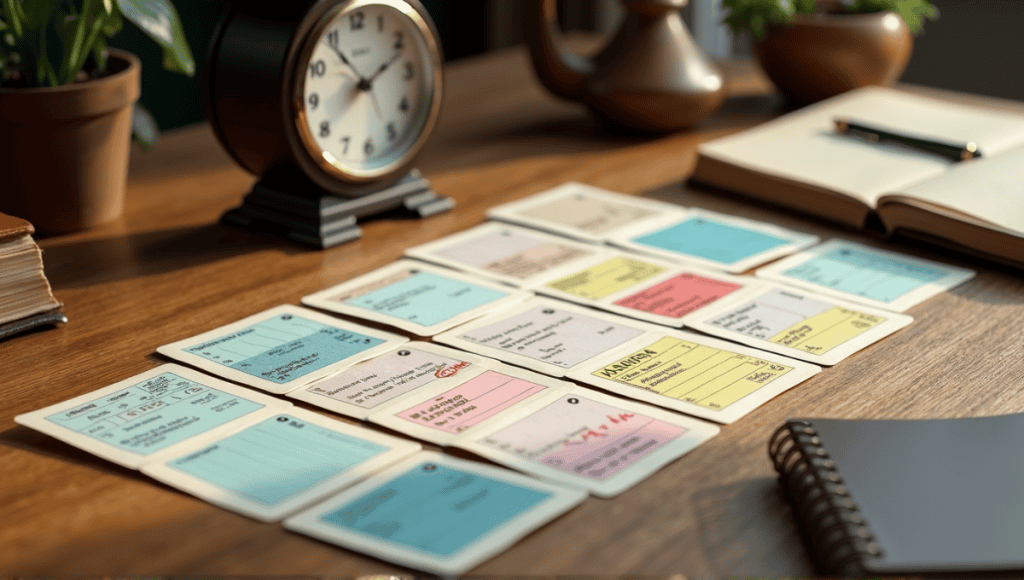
906	496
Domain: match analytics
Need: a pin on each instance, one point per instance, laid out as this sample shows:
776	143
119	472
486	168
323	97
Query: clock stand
287	204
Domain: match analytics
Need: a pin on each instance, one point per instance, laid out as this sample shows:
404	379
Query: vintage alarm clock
328	98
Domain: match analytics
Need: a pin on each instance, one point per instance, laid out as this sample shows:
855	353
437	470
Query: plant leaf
144	128
160	21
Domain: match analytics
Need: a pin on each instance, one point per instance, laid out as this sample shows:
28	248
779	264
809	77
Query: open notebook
800	161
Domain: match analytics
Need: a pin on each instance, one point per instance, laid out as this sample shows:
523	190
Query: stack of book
25	297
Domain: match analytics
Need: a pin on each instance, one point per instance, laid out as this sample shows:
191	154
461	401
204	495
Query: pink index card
678	296
460	408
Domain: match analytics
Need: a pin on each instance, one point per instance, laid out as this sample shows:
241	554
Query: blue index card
711	240
148	416
427	298
868	274
277	459
435	508
284	347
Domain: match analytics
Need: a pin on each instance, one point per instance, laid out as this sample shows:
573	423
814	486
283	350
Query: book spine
840	540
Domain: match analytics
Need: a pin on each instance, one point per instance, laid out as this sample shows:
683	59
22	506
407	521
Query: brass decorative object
650	76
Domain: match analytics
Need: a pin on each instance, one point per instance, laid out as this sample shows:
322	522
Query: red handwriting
445	372
597	431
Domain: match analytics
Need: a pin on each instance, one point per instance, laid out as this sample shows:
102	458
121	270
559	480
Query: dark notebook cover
934	496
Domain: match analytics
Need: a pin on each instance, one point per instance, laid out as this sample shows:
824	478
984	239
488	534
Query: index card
415	297
866	275
698	375
713	240
280	465
545	335
644	288
798	324
591	440
282	349
358	390
509	254
581	211
158	411
450	412
436	513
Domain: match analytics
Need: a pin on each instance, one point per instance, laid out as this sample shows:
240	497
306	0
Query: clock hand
346	62
384	67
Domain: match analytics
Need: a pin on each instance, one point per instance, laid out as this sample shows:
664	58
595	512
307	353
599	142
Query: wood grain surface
167	270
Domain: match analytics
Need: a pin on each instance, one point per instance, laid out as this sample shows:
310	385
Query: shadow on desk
741	541
32	441
97	261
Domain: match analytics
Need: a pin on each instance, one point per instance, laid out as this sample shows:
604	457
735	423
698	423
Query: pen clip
873	134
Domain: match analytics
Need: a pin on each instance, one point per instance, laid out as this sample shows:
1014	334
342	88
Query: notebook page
804	147
990	188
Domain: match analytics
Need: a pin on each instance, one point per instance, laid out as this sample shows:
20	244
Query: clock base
307	216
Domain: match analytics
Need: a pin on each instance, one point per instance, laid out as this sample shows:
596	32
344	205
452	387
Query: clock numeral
345	140
380	23
318	69
355	20
399	40
332	38
325	129
314	100
392	132
410	71
403	105
368	148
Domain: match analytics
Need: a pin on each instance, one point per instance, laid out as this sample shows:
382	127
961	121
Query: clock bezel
305	150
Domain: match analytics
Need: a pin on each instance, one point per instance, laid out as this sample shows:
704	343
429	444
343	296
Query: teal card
711	240
284	347
436	509
881	277
153	414
426	298
277	459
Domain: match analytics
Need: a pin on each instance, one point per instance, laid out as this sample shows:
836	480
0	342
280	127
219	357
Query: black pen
952	151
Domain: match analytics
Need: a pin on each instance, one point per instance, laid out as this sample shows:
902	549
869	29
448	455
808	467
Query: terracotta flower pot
64	162
820	56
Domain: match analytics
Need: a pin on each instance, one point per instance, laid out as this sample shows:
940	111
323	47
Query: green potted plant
67	103
815	49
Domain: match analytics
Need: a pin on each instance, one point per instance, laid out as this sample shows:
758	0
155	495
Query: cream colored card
360	389
866	275
695	374
285	462
415	297
545	335
282	349
591	440
798	324
644	288
581	211
510	254
451	412
713	240
436	513
160	411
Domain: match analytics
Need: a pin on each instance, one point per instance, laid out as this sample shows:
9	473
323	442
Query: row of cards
370	374
262	457
696	237
541	302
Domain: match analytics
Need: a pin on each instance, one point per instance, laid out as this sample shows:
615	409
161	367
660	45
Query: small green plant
49	43
755	16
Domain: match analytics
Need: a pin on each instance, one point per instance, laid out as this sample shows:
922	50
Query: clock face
367	88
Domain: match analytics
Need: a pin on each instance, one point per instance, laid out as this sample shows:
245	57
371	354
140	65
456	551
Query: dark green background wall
177	100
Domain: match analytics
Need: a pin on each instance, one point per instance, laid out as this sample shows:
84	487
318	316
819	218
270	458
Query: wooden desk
167	271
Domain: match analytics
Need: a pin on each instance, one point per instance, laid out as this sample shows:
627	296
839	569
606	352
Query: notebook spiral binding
831	522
